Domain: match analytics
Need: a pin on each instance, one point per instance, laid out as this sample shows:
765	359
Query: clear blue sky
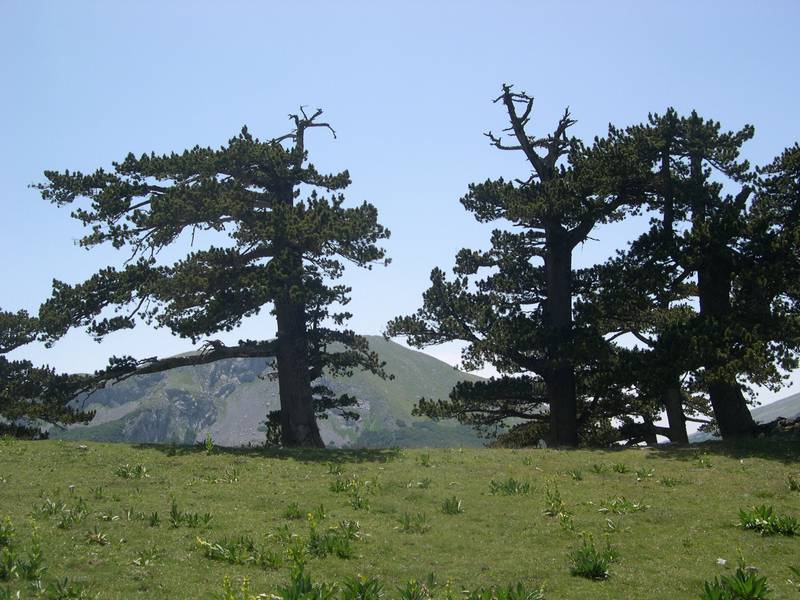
407	85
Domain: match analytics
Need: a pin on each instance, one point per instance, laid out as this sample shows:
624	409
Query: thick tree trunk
671	398
730	410
730	407
560	394
298	423
559	376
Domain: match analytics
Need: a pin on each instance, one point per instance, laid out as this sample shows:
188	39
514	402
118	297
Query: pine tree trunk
560	394
730	407
730	410
298	423
559	376
671	399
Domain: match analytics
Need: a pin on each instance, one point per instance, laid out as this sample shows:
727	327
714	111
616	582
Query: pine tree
274	248
709	290
519	317
30	396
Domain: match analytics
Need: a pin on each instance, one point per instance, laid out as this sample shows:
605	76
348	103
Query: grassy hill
230	399
169	522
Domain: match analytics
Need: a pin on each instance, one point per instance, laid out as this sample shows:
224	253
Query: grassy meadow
122	521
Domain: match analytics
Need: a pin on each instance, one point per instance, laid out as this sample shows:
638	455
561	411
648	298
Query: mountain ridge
229	400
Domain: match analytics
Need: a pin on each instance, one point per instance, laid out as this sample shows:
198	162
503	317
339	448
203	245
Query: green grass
84	511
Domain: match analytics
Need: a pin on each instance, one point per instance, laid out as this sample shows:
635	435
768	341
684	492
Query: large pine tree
281	236
709	291
519	317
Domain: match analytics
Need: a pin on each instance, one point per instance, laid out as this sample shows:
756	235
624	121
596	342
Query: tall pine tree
286	237
519	317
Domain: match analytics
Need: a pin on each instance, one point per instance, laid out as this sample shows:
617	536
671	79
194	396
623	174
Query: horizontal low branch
212	351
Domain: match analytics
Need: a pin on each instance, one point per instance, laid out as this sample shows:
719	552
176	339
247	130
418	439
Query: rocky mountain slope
230	399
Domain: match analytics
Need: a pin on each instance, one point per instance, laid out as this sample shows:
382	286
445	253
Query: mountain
788	407
230	399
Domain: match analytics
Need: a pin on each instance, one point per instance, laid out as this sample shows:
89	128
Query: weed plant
416	523
452	506
590	562
765	521
509	487
744	584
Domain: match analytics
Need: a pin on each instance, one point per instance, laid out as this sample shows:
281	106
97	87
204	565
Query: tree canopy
519	316
695	310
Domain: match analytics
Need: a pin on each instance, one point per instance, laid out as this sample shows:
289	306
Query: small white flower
721	562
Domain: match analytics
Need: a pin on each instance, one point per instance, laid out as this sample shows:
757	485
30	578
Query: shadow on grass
784	450
305	455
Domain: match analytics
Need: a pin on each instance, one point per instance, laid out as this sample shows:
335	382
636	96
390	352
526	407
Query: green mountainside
230	399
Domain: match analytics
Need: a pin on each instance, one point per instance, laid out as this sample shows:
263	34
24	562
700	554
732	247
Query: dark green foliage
519	315
710	290
709	293
32	396
263	245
